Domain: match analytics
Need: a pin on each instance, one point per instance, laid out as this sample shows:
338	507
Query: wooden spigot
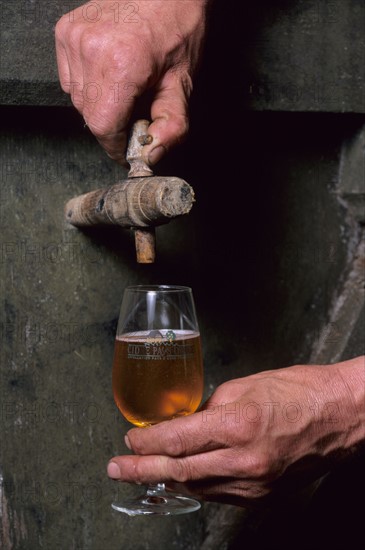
140	202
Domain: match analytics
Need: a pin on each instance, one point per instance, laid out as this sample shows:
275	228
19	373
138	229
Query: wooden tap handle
138	139
135	202
145	239
140	202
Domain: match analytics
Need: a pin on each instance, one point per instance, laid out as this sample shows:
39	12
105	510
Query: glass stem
156	490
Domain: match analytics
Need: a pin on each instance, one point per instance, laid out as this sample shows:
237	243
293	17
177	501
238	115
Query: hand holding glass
157	373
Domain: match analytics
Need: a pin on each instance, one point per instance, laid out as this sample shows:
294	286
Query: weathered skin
108	58
256	436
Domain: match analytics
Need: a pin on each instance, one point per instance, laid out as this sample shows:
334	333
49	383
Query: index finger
206	430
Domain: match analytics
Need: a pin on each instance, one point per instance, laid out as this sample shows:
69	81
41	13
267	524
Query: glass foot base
166	505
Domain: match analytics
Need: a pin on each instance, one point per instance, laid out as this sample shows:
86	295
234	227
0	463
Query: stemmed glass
157	374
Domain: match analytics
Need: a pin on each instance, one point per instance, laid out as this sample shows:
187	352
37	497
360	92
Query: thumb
169	113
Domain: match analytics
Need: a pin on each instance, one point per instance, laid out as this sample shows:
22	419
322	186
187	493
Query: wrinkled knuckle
136	441
139	470
90	44
178	470
259	466
175	444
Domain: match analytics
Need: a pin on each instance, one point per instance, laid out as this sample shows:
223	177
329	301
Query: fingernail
113	470
127	442
156	154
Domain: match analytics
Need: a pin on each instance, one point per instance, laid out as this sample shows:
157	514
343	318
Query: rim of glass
158	288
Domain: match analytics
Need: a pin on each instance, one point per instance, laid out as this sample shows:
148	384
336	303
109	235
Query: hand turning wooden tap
140	202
